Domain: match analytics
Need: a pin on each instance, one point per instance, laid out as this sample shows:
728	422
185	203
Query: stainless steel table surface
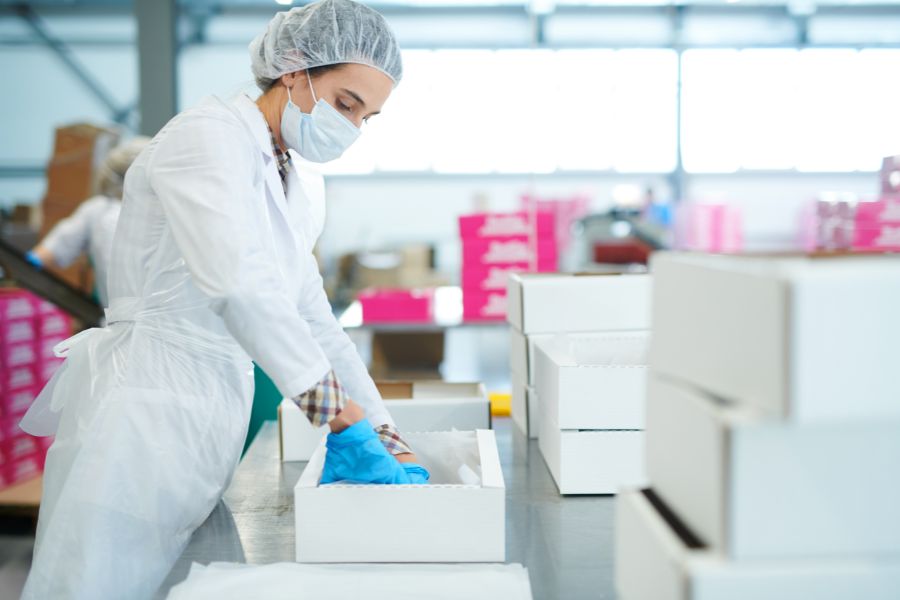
566	543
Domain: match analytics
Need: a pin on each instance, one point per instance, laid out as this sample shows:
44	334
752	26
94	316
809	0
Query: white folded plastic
224	581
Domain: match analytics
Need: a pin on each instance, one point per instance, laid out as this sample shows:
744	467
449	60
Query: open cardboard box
595	381
754	488
658	558
560	303
445	520
801	337
415	406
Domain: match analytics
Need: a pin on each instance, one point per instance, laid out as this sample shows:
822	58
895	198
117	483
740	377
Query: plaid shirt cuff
391	439
323	402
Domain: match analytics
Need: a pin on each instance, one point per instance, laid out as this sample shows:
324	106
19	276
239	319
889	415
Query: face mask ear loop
311	90
290	100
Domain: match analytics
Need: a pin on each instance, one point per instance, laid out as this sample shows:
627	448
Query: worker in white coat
212	267
91	227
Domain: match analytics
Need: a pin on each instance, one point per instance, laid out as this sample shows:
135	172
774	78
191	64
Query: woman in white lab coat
91	227
212	267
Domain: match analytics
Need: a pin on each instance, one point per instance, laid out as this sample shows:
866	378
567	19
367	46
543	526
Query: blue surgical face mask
320	136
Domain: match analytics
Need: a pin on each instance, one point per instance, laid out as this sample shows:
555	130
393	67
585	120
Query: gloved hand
356	455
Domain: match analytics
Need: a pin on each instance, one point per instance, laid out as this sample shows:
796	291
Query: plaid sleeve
391	439
323	402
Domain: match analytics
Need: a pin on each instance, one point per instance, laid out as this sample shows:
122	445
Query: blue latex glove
34	260
356	455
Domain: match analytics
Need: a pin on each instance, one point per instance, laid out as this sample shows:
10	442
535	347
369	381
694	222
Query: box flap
491	474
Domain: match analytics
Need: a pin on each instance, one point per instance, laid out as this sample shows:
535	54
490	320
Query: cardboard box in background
72	178
416	406
803	338
657	558
548	303
407	355
753	488
447	520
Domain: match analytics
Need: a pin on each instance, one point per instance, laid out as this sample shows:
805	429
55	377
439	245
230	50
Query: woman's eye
344	107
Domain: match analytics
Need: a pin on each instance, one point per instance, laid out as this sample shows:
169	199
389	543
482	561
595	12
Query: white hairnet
329	32
116	163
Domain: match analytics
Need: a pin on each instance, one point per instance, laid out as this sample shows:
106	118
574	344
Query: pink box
18	446
54	323
498	252
877	237
17	331
494	277
397	305
484	306
18	355
506	225
890	175
18	378
16	304
22	470
9	428
708	227
16	404
886	210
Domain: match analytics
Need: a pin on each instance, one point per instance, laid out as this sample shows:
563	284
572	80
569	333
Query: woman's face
356	91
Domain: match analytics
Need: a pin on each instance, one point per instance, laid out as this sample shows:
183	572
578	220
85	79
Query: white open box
802	338
415	406
524	409
593	382
591	462
557	303
657	560
443	521
756	488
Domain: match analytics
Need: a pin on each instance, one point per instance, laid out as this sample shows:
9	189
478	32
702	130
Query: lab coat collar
254	118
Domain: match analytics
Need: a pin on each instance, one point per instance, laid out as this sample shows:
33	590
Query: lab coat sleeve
204	173
70	237
339	348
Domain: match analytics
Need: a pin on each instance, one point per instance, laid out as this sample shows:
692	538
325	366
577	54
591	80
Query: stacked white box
773	432
544	305
591	390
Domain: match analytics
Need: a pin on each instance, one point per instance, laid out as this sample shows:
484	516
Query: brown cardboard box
409	355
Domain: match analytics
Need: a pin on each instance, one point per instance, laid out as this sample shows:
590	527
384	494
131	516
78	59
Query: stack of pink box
565	212
877	225
29	328
890	176
495	245
383	305
708	227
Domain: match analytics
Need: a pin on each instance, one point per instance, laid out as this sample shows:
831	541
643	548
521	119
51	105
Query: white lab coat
211	266
89	229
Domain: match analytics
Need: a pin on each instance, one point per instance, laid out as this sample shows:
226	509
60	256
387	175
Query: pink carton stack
384	305
565	212
495	245
29	328
708	227
877	225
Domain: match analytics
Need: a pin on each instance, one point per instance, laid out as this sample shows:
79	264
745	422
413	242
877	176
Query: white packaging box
802	338
657	561
443	521
521	354
415	406
591	462
524	408
758	488
593	382
556	303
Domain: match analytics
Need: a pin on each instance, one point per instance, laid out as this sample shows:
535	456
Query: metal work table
566	543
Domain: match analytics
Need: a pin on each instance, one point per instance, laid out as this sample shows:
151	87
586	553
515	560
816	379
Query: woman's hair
314	72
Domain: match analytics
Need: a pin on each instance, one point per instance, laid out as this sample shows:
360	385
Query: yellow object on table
500	404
